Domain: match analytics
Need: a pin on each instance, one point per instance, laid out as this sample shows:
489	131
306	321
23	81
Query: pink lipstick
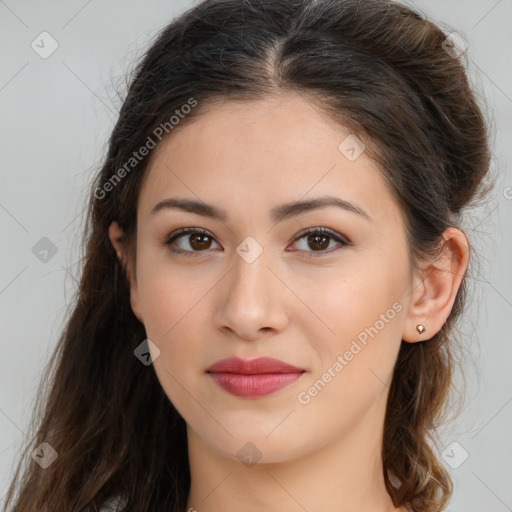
254	377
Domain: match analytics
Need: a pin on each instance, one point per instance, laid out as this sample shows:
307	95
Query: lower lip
253	385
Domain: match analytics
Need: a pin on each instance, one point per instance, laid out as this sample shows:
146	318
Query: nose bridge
251	277
254	295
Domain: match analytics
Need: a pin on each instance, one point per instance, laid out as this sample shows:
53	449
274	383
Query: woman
274	265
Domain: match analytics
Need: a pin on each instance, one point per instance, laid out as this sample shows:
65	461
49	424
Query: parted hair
377	67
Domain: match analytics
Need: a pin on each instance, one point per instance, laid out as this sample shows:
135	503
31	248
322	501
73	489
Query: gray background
56	115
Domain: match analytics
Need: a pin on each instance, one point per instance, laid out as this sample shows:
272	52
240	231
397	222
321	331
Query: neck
343	476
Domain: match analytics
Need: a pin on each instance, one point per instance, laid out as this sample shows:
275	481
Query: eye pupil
193	239
314	240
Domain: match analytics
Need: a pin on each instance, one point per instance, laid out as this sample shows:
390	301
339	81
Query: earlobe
421	328
134	302
115	234
435	288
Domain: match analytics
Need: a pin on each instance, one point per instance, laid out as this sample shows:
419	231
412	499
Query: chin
251	446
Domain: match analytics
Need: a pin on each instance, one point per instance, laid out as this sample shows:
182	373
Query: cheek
345	303
354	366
171	311
362	315
166	293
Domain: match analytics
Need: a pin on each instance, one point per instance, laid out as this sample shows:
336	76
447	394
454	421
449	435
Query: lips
253	366
254	377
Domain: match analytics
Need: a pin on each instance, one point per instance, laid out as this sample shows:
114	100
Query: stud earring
420	328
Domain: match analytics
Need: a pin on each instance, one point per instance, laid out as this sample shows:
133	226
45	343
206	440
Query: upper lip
253	366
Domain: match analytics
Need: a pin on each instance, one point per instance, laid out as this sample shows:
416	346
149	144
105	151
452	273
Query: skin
247	158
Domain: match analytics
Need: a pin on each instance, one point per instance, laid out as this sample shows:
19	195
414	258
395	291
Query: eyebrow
277	214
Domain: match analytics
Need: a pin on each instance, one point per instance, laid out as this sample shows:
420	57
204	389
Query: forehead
287	126
261	153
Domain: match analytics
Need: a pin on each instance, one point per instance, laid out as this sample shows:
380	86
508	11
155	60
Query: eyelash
313	254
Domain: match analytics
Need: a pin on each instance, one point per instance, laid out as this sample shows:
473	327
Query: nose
254	300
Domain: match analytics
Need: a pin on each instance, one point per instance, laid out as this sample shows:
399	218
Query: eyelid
324	231
187	231
338	237
183	232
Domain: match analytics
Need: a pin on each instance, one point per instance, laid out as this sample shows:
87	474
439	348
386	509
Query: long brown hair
377	67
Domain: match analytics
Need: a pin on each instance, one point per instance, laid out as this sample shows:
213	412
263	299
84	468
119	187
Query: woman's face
251	285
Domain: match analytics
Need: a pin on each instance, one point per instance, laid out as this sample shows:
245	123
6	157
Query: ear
435	287
115	234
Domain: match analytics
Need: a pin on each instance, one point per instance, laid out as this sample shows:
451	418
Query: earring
420	328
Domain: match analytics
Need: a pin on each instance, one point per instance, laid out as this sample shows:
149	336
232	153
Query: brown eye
318	242
196	240
200	242
192	241
319	239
